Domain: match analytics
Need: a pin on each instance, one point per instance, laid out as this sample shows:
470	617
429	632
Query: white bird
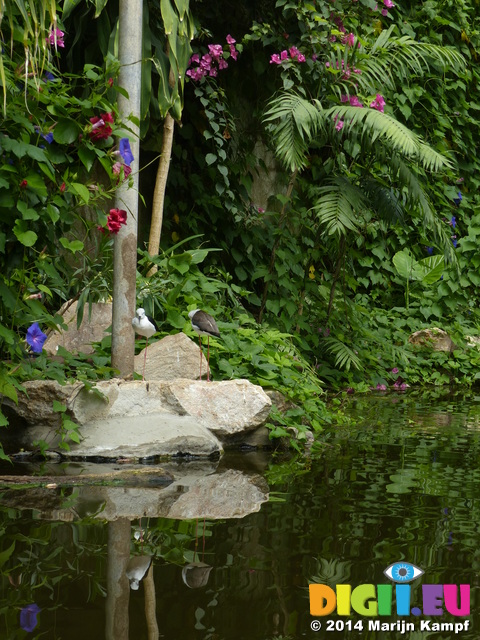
204	325
145	327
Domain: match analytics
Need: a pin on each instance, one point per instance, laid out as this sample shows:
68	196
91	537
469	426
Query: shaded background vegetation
298	220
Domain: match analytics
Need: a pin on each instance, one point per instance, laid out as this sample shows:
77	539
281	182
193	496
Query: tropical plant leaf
345	357
375	125
337	206
295	122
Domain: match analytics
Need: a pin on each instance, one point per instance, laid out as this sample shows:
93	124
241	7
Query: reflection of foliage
332	572
172	540
38	559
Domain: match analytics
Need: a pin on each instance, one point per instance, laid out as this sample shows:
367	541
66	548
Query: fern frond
337	206
345	357
294	122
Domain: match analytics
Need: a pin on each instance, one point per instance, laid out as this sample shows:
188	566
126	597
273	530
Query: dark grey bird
204	325
145	327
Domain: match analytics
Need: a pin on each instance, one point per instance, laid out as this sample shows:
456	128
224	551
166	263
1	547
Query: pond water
403	485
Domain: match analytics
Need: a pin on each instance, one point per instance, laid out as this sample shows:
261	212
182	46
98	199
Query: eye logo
402	572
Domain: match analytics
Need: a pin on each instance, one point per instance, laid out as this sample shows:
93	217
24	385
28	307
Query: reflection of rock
171	357
435	338
196	574
92	329
229	494
136	418
137	567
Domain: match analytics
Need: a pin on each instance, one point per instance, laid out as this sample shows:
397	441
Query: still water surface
402	485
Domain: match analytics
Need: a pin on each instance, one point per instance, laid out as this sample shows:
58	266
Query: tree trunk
160	186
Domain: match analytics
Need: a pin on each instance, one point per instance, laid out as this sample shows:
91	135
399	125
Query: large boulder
434	338
93	328
175	356
121	418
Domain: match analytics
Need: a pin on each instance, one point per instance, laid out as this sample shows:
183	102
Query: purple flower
36	338
125	151
28	617
394	370
381	387
46	136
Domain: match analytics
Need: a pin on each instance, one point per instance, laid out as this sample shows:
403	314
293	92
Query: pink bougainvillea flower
293	51
389	4
216	50
338	123
55	38
233	52
275	59
378	103
350	39
230	40
284	55
355	102
394	370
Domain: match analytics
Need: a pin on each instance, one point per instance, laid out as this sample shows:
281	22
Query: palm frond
432	224
384	200
374	125
336	208
403	57
345	357
293	121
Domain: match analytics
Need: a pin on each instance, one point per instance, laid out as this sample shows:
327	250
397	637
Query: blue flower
36	338
429	250
453	222
454	241
28	617
125	151
46	136
458	200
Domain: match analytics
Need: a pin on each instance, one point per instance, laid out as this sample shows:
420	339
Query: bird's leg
200	343
208	358
145	360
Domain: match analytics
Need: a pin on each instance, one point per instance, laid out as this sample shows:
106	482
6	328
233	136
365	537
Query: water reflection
404	485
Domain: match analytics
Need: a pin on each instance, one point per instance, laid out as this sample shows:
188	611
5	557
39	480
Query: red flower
63	186
100	129
116	218
23	184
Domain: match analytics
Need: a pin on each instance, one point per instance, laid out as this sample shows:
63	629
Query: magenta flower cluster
388	4
378	103
213	61
292	54
55	38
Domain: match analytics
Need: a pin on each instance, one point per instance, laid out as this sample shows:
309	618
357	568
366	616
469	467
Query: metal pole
125	247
